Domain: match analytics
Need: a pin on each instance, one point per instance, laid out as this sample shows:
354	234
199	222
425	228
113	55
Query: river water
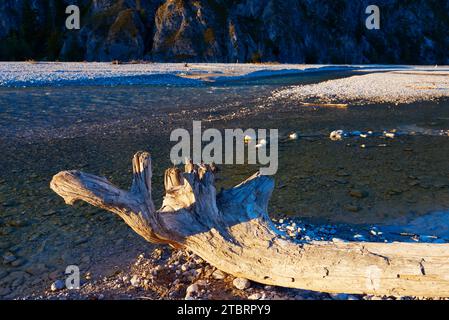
98	129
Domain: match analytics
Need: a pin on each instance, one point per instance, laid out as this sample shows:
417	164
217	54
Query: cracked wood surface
233	232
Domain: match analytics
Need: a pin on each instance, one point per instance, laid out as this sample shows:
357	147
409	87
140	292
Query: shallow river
98	129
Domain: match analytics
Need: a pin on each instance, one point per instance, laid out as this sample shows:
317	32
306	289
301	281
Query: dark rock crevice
287	31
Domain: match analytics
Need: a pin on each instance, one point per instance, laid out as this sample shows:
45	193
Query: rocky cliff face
310	31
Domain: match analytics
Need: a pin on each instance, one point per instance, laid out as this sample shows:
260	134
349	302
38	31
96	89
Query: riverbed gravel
384	87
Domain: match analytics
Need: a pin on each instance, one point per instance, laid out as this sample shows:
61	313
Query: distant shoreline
38	74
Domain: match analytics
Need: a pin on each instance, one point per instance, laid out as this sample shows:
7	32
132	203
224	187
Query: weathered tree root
233	232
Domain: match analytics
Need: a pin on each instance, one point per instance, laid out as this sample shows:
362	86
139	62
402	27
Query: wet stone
394	192
49	213
18	262
9	257
343	174
341	181
81	241
352	208
16	223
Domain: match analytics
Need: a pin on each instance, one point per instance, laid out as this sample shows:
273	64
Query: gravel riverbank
384	87
38	74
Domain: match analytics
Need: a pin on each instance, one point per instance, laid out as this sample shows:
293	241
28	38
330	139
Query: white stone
184	268
255	296
218	275
191	291
241	283
135	281
293	136
336	135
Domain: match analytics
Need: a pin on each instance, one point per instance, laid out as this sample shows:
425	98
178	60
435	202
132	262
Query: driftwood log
233	232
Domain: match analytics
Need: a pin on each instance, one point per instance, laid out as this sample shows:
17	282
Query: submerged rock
358	193
352	208
9	257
